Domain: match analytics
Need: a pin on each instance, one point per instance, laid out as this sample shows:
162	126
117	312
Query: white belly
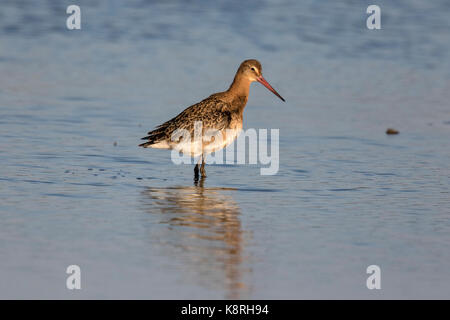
212	141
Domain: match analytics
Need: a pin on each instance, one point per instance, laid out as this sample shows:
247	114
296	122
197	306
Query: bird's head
252	71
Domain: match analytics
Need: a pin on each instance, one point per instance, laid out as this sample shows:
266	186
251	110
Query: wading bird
221	112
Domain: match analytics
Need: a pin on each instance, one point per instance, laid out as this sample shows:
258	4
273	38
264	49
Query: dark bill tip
268	86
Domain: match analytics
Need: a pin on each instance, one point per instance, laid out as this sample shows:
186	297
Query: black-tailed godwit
221	112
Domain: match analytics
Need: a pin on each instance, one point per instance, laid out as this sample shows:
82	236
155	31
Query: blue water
76	189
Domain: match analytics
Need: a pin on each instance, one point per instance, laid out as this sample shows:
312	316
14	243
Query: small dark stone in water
139	178
115	143
90	169
101	169
391	131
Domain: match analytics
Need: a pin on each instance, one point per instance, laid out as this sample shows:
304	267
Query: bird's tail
154	138
146	144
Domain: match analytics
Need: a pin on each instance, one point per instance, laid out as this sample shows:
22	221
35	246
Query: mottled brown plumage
212	112
221	111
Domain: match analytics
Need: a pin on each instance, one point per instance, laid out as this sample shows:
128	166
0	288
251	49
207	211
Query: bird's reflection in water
203	233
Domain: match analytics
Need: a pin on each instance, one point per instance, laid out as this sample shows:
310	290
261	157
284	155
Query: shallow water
76	189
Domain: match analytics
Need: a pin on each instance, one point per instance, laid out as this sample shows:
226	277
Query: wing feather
212	112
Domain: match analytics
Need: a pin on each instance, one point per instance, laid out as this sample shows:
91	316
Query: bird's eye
253	69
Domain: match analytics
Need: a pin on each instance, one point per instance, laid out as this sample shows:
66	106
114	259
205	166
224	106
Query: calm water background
346	195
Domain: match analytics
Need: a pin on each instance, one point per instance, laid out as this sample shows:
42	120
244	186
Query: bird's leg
196	169
202	168
196	172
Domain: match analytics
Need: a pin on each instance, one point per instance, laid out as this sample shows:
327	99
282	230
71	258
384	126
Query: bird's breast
212	140
220	139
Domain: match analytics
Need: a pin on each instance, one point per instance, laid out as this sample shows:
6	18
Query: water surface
76	189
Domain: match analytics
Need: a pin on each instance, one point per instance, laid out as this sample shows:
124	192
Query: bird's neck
239	89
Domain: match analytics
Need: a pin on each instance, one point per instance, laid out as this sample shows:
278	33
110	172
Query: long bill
268	86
